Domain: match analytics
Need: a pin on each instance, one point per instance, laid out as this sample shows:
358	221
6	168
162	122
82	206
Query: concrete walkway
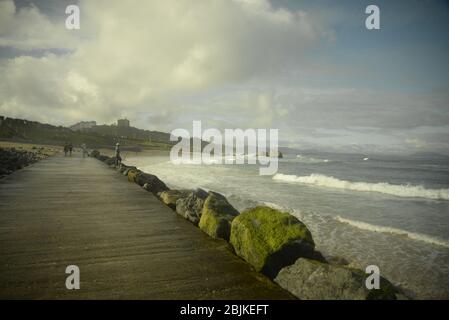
127	244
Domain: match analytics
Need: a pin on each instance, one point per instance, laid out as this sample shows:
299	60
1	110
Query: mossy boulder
191	206
216	216
132	175
170	197
269	239
313	280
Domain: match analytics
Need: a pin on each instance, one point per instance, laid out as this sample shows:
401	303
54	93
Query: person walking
118	158
70	148
84	149
66	149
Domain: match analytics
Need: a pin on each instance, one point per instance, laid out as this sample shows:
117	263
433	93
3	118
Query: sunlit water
389	211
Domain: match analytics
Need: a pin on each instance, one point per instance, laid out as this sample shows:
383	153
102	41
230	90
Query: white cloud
240	63
129	55
28	29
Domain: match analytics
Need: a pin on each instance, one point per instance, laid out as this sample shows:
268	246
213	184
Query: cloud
229	63
132	57
28	29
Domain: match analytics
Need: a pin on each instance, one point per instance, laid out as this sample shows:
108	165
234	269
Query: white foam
408	191
305	159
274	206
381	229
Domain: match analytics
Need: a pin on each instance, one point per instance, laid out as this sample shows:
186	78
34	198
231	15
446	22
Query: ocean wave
408	191
275	206
306	159
382	229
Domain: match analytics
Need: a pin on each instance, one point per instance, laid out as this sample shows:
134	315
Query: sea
384	210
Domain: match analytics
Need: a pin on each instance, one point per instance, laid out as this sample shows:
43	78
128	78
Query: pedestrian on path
118	158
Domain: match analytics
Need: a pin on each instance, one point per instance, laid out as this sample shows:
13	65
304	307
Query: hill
101	137
129	133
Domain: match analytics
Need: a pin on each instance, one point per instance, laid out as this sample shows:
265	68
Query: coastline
342	222
67	211
288	270
15	156
46	150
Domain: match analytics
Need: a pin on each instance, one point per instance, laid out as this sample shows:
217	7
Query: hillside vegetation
99	137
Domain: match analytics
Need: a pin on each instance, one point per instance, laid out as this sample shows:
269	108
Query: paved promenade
127	244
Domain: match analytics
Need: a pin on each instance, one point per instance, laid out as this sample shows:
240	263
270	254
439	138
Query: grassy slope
19	130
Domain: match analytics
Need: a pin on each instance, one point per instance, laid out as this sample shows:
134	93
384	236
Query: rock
95	153
123	167
191	207
170	197
109	161
310	279
216	216
132	175
150	182
338	261
12	159
269	239
317	255
126	171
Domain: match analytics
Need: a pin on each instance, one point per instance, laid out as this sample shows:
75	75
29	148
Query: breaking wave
381	229
306	159
408	191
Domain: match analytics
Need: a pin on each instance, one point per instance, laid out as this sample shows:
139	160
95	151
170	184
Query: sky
308	68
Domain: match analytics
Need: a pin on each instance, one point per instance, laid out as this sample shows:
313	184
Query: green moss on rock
132	174
269	239
170	197
216	216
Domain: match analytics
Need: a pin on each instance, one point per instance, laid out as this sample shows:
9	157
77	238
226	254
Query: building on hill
83	125
123	123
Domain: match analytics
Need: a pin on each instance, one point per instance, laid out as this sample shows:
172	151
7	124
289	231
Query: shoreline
329	267
404	257
74	211
15	156
42	151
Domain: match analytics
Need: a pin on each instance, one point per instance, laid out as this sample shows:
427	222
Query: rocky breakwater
12	159
273	242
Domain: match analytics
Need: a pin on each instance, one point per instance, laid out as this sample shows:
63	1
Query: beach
371	216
